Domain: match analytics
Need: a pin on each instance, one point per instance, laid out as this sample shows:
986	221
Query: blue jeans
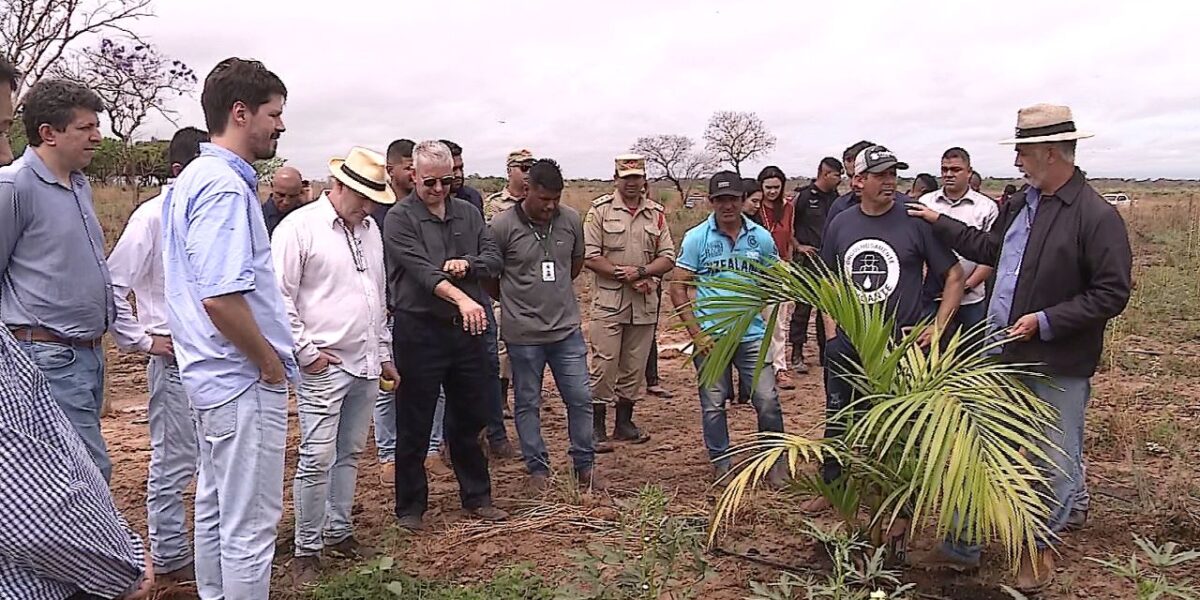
174	453
335	414
568	364
76	377
239	493
385	420
1065	478
764	397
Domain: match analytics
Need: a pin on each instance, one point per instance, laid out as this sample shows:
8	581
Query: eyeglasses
432	181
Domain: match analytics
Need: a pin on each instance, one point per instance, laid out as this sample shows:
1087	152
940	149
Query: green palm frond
946	432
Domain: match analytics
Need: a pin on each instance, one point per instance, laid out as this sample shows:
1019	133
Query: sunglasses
524	167
432	181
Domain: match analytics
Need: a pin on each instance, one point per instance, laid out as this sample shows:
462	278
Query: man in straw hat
329	262
441	252
1063	263
628	247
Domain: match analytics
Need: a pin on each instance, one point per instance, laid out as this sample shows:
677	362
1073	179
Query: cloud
581	81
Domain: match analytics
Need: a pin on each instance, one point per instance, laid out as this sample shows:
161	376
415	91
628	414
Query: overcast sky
580	81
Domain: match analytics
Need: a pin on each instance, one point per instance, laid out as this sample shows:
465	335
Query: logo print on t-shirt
873	268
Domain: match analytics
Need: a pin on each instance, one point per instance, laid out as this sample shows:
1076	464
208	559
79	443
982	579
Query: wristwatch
641	272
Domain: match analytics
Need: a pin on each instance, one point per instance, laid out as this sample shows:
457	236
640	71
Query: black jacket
1076	268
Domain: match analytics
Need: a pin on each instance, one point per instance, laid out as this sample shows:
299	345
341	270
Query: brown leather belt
41	334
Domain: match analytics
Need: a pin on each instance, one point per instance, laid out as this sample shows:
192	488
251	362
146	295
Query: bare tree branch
36	34
737	137
671	157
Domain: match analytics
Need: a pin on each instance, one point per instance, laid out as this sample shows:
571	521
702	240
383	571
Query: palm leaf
948	433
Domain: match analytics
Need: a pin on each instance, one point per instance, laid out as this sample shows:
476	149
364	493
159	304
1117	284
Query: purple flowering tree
133	79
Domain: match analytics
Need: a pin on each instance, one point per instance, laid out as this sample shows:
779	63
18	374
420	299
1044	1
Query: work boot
600	429
508	413
306	570
783	381
502	450
350	548
488	514
412	523
590	480
799	366
1076	520
181	575
537	482
720	471
625	430
777	478
937	559
1035	574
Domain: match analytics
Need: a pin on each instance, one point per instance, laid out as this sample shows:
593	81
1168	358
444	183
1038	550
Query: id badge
548	271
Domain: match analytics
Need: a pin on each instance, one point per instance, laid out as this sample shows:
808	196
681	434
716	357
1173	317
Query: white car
1118	199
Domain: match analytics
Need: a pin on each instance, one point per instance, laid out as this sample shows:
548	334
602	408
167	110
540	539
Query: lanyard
543	241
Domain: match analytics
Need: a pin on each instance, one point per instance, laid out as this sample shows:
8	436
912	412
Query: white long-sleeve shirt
335	302
136	264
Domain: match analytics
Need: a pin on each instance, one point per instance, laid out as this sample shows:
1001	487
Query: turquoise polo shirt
711	254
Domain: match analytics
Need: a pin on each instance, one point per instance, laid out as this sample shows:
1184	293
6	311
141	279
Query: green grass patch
380	581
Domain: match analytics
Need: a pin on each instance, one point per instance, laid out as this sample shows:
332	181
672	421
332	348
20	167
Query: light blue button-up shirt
1012	254
215	243
52	269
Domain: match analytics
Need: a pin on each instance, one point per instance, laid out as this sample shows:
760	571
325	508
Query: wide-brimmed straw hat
1043	123
364	171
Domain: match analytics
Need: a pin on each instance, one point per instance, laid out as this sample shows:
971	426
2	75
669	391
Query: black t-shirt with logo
885	256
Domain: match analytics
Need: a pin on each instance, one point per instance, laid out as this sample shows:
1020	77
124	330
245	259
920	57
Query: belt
41	334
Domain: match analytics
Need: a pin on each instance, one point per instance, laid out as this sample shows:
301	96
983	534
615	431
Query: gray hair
1066	150
431	152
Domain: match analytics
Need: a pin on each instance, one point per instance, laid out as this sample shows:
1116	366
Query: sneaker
350	548
800	368
412	523
489	514
306	570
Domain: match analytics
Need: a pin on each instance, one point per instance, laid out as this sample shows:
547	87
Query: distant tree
737	137
672	157
132	79
36	35
265	169
107	161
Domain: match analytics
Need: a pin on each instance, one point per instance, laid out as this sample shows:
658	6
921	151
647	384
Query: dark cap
877	159
725	183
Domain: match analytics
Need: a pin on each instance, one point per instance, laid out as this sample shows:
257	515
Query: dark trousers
652	360
798	330
839	393
432	354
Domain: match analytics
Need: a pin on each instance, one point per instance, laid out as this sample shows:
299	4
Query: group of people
402	296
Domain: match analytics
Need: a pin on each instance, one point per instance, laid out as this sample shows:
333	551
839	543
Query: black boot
600	430
625	430
504	398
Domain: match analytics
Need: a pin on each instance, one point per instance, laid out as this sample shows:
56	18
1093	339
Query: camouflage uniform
624	321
